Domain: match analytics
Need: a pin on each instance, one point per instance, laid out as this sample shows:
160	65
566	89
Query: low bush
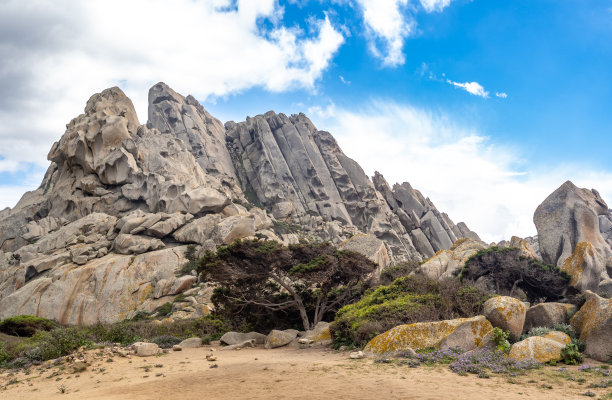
393	272
500	337
407	300
571	354
46	345
26	325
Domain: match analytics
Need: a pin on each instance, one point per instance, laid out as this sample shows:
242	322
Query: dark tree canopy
312	279
507	270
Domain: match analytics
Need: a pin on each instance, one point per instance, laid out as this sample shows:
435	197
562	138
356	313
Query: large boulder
233	338
547	315
444	263
465	333
278	338
319	334
369	246
594	323
525	248
145	349
506	313
570	237
538	348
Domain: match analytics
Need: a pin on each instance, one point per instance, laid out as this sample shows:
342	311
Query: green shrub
571	354
407	300
164	310
166	341
26	325
393	272
500	337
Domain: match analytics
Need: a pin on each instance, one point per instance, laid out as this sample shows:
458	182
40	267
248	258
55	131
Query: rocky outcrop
287	165
594	323
278	338
106	289
446	262
118	195
573	232
464	333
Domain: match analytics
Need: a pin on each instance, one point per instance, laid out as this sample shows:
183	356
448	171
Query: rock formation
104	235
574	234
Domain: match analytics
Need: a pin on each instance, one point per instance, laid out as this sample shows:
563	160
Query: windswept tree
312	279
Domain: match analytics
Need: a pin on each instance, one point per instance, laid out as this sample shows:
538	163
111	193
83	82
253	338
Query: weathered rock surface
537	348
547	315
594	323
144	349
278	338
232	338
319	334
369	246
446	262
570	235
506	313
107	289
465	333
117	191
191	343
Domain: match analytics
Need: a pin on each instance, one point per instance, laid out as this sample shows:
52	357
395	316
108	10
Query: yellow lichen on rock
537	348
506	313
574	264
594	323
558	337
467	333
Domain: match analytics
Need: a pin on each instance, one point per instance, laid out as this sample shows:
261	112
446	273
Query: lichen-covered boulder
594	323
278	338
506	313
320	333
547	315
191	343
464	333
538	348
560	337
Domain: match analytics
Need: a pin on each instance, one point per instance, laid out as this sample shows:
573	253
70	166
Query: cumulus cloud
389	22
501	95
465	174
387	26
474	88
54	55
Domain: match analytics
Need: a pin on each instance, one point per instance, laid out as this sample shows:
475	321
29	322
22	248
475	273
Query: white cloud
387	27
485	184
474	88
435	5
54	55
346	82
501	95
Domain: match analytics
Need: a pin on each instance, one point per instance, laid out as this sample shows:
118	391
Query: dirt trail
273	374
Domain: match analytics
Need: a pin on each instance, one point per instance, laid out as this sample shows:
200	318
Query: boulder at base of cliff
548	315
594	323
278	338
506	313
464	333
445	262
232	338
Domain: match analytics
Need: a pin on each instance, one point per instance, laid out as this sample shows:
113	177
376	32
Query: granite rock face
119	195
573	232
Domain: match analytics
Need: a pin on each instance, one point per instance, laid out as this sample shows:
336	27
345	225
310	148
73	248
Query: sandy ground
275	374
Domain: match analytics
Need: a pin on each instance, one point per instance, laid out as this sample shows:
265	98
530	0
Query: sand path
271	374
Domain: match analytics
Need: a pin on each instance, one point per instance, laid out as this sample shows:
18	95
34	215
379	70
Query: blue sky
485	106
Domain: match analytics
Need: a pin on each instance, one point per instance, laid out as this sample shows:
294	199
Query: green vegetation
500	337
565	328
61	341
192	261
506	270
268	284
392	272
283	228
26	325
571	354
407	300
